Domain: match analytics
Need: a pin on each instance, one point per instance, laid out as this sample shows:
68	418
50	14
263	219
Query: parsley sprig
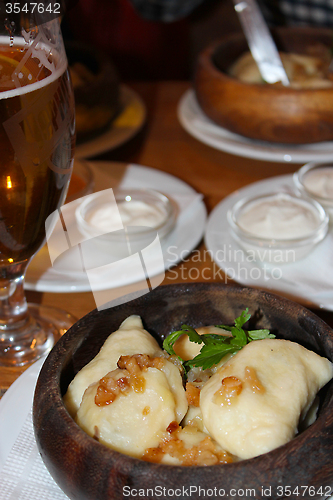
215	347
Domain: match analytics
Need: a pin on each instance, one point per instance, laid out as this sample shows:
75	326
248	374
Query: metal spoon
261	43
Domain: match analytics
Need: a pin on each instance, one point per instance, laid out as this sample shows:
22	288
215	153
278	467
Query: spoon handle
260	42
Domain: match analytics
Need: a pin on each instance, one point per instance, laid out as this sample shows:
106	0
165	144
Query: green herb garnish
215	347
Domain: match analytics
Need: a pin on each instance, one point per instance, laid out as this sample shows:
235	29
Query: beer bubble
36	161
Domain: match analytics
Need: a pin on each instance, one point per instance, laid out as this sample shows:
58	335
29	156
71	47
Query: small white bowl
315	181
276	235
126	218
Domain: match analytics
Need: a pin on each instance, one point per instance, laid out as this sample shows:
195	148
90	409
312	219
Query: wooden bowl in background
264	112
86	470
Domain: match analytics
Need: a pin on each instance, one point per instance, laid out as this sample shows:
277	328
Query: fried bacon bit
204	454
154	455
231	387
252	378
146	410
139	362
107	391
173	427
192	394
122	383
132	366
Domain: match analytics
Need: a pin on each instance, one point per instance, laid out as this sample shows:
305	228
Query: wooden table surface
163	144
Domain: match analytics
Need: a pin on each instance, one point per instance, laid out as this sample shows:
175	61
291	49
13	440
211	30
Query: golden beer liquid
36	151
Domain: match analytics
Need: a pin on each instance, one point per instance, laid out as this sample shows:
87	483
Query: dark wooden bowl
87	470
264	112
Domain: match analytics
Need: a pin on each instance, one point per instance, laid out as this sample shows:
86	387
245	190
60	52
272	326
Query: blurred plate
308	281
67	274
196	123
122	129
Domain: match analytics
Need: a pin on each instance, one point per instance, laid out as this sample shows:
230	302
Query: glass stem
24	337
13	304
16	324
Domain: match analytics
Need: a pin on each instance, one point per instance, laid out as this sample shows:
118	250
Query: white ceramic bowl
315	181
278	248
123	218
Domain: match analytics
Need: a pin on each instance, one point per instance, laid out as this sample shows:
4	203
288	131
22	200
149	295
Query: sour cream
279	217
132	216
319	182
132	213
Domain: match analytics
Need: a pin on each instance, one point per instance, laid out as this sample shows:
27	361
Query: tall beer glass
36	156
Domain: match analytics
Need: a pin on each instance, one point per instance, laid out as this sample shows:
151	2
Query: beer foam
41	51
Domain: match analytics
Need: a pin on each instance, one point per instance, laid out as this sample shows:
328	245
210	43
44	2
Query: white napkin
313	275
310	278
24	475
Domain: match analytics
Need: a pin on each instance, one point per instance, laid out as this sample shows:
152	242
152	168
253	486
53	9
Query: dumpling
254	402
130	409
131	338
175	381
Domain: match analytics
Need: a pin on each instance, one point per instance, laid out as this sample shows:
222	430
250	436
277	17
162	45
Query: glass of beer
37	136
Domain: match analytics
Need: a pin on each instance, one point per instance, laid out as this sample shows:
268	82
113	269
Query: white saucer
121	130
67	275
308	280
196	123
